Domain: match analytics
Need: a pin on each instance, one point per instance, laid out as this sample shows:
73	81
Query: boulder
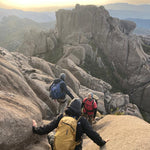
127	26
17	112
123	132
42	65
38	43
84	78
13	81
77	38
118	100
118	103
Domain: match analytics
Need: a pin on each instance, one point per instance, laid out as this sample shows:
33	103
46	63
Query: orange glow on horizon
57	4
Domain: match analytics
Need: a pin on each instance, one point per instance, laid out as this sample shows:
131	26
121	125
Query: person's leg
90	120
50	138
62	106
79	147
85	115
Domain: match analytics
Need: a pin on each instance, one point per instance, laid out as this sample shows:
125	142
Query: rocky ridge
91	35
24	96
101	45
123	132
25	80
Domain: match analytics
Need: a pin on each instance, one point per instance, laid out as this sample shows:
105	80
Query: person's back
58	91
82	126
66	134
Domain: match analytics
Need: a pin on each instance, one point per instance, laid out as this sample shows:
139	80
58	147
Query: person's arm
65	89
94	136
83	102
51	85
69	94
82	105
95	110
46	128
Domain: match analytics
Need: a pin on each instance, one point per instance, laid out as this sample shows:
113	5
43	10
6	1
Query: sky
35	4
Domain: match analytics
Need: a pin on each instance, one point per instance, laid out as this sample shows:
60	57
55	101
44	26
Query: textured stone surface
84	78
113	38
37	43
122	133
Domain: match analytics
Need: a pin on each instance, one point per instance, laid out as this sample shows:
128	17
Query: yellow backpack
66	134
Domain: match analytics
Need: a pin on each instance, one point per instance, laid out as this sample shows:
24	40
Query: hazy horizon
48	5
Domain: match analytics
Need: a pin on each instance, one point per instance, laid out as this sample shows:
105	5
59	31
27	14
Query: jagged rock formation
19	105
90	33
102	45
87	33
124	132
118	103
145	39
38	43
145	44
24	96
13	28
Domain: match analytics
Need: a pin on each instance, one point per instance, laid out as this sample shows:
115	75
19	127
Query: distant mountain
12	30
142	26
136	13
141	23
15	23
36	16
124	10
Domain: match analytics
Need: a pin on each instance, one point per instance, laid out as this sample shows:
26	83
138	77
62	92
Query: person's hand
106	140
34	123
104	146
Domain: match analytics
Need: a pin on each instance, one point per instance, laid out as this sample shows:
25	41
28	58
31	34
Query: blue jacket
63	88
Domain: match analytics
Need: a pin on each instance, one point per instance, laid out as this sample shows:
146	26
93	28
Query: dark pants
79	147
89	117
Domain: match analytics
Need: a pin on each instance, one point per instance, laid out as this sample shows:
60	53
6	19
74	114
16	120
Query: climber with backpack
70	128
89	106
58	91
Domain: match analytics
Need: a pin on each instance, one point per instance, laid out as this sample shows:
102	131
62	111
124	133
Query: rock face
38	43
102	45
84	78
118	103
91	33
122	133
24	81
19	105
24	96
17	113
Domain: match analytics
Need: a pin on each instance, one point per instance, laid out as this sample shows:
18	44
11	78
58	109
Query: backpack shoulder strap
86	100
93	100
89	100
79	119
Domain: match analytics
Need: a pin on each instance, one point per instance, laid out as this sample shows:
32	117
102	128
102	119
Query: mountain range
125	10
13	30
35	16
